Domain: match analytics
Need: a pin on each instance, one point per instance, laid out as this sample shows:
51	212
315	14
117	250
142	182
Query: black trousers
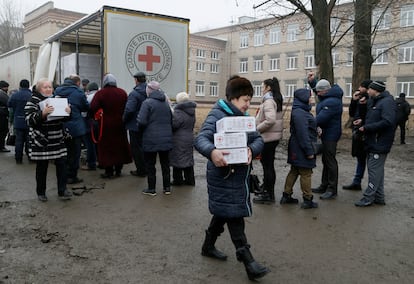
401	124
235	226
188	175
135	140
150	160
41	175
330	167
267	160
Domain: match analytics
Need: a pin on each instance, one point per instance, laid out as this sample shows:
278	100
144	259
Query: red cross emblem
149	58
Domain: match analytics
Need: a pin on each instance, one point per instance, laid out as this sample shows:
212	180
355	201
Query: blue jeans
90	151
22	138
375	189
360	169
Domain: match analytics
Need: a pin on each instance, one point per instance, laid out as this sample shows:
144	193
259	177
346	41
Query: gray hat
92	86
379	86
322	85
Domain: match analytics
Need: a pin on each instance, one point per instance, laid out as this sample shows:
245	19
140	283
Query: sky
203	14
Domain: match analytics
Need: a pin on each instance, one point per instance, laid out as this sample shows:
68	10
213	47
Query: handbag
97	126
11	139
317	148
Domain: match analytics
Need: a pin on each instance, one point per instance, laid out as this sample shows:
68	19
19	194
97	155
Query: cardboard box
236	156
230	140
236	124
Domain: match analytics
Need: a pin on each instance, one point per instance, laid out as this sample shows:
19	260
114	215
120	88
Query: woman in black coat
228	191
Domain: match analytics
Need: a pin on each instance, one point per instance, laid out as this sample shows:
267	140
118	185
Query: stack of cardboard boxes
232	136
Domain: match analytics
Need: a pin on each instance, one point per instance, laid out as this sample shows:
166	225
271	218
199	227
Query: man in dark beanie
4	114
403	112
379	130
358	110
17	102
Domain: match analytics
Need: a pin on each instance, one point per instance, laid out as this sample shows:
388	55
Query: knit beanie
322	85
182	97
365	83
378	86
152	86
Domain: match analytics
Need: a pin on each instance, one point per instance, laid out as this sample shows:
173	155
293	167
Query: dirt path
114	234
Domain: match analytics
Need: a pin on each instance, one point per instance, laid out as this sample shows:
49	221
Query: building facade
261	49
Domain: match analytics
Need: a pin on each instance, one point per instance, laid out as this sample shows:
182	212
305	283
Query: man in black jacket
379	130
403	111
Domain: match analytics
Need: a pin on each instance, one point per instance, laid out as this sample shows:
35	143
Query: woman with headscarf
113	148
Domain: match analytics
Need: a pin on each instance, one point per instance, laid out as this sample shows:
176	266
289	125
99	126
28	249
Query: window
310	33
406	53
335	23
406	85
274	35
201	53
407	16
244	40
381	20
349	58
274	63
200	66
257	89
214	68
214	55
200	89
292	61
243	66
380	55
348	87
335	58
214	89
309	59
292	32
258	64
259	38
290	88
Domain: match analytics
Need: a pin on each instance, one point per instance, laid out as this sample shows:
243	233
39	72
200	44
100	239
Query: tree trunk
362	57
322	43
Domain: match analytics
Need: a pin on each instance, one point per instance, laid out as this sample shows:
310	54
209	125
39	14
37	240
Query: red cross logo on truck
149	58
150	53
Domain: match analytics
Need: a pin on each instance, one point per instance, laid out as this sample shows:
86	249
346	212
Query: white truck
121	42
18	64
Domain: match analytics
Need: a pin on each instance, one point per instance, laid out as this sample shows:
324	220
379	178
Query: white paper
59	104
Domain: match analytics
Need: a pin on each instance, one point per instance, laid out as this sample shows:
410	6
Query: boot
288	199
208	249
308	203
267	197
254	269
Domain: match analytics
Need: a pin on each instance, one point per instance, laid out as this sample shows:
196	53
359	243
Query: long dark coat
228	190
113	149
302	132
181	155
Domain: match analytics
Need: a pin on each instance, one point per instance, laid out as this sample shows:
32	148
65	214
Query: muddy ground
111	233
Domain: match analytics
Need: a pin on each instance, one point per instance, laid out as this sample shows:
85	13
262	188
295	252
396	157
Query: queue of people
157	129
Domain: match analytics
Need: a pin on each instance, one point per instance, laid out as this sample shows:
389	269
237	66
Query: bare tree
362	51
11	28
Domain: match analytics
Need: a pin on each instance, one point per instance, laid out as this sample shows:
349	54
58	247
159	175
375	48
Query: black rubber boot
267	197
308	203
288	199
208	249
254	269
